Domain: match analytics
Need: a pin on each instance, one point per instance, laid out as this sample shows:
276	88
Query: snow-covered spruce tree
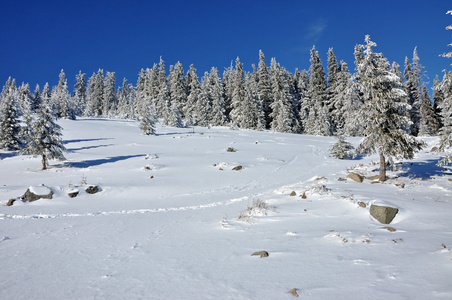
203	105
24	99
302	79
342	149
318	122
9	119
238	101
412	89
331	90
109	96
88	110
264	89
61	99
162	91
429	124
339	94
152	89
448	54
383	113
193	97
228	87
36	99
282	114
126	101
79	97
438	97
46	140
255	109
96	93
142	100
147	120
218	109
178	87
445	132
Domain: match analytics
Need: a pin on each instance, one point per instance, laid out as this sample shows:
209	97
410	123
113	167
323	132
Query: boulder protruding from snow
356	177
37	192
383	214
260	253
92	189
73	193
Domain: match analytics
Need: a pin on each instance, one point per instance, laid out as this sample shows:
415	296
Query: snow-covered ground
166	225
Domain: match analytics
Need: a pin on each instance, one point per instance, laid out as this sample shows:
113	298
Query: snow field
176	235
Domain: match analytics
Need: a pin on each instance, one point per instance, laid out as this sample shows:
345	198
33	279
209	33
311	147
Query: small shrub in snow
341	149
257	208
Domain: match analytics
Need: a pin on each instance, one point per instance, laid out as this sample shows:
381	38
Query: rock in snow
383	214
34	193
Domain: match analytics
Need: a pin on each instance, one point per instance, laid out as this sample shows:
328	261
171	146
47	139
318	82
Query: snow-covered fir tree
228	86
383	113
95	93
218	103
61	102
332	90
264	89
147	120
342	149
339	94
318	121
46	140
445	133
79	97
152	89
194	89
9	119
255	109
142	99
126	99
24	98
282	114
302	79
438	97
238	101
109	95
178	88
412	89
36	99
204	103
429	124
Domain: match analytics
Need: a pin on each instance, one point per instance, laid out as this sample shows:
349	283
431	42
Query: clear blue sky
39	38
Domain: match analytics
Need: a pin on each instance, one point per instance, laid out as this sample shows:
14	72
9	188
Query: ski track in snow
122	212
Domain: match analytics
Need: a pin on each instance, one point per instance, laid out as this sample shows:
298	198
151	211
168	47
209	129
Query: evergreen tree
383	113
341	149
318	122
203	105
88	111
147	120
438	97
412	90
80	92
126	101
339	93
109	95
238	97
178	87
254	112
429	124
228	86
282	114
264	89
36	99
218	103
97	93
24	99
194	88
46	140
302	79
332	89
9	119
445	133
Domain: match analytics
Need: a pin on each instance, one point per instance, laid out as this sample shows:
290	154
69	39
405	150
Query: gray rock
30	196
73	194
92	189
230	149
383	214
261	254
356	177
10	202
237	168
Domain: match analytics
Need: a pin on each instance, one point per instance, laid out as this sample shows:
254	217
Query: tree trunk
44	162
382	167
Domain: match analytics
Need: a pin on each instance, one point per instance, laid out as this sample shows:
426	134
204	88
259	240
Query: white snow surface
165	224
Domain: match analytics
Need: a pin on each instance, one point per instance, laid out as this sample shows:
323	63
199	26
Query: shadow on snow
97	162
86	140
423	169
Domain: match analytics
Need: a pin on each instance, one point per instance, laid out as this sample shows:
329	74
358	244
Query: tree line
375	100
